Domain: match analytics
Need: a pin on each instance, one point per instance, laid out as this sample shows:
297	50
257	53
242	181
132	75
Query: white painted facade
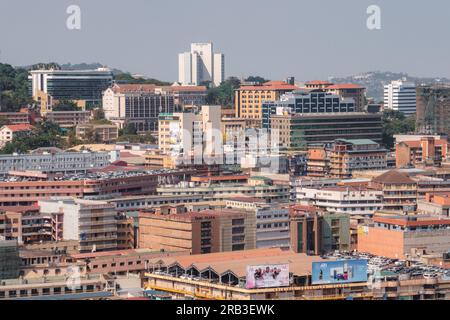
92	223
400	96
352	201
201	64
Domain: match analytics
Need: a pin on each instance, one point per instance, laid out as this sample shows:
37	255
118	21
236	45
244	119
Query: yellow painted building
249	99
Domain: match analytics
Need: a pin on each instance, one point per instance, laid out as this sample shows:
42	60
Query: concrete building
22	117
106	133
400	96
54	160
31	226
201	65
68	119
185	96
9	259
85	85
272	220
428	151
314	231
11	131
400	237
317	84
137	104
342	199
305	102
297	131
271	193
192	136
433	109
352	91
399	190
249	99
22	190
340	158
435	204
55	287
344	90
92	223
201	232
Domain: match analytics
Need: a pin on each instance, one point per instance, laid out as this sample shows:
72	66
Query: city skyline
276	45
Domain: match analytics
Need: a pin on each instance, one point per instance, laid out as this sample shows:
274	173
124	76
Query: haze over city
254	151
305	39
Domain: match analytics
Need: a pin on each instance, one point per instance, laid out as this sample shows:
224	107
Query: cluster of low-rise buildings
294	181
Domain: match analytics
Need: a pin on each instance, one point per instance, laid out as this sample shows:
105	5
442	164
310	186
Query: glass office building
305	102
87	85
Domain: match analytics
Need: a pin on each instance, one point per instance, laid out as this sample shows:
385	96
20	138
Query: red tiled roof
394	177
345	86
403	221
19	127
319	82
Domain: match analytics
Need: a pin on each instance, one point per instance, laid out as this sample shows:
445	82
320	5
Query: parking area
378	266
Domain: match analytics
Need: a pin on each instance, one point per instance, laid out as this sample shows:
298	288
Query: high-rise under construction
433	109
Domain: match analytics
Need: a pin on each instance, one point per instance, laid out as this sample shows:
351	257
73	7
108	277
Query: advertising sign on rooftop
340	271
267	276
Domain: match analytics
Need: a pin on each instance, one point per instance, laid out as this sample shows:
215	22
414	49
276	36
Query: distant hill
375	81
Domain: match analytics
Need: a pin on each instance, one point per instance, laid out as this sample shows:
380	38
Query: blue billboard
339	271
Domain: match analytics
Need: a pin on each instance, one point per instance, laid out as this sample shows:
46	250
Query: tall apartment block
86	85
200	65
400	96
433	109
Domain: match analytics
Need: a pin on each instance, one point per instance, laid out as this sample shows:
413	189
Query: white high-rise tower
400	96
201	65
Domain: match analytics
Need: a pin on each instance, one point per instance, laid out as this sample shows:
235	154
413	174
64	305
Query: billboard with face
340	271
267	276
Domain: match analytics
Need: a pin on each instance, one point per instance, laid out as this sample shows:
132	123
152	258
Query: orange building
317	161
198	232
436	204
427	151
400	237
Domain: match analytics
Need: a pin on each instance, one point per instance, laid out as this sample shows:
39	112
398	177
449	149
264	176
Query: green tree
46	134
129	129
66	105
98	114
395	122
92	136
256	79
224	94
13	88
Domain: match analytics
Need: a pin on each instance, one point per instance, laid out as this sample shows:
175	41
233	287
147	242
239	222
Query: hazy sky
308	39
